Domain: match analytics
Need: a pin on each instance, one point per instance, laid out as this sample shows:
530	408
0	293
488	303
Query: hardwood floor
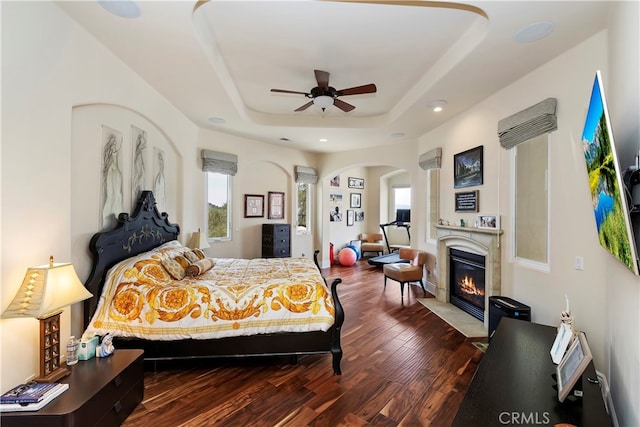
402	366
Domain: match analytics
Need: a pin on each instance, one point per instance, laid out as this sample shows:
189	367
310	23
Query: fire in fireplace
467	276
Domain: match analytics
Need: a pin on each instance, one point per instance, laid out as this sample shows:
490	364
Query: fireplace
467	282
481	243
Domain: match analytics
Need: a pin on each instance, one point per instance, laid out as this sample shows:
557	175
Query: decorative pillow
200	266
183	261
174	268
191	256
199	253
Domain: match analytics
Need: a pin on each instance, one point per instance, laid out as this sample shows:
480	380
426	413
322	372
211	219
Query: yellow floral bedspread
236	297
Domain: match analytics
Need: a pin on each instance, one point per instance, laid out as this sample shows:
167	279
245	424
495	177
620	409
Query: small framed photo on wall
356	183
356	200
350	216
276	205
253	206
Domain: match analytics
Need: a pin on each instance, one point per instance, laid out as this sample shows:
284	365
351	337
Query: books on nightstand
30	397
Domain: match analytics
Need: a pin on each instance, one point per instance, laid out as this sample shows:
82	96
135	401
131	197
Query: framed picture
489	222
356	200
359	216
276	205
253	206
356	183
467	168
467	201
572	365
350	216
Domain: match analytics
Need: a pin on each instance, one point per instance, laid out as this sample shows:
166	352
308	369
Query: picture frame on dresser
276	205
253	206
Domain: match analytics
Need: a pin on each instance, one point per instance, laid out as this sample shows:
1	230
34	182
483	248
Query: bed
140	242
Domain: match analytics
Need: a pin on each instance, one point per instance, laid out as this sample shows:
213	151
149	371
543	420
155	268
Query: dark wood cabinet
514	384
276	240
102	392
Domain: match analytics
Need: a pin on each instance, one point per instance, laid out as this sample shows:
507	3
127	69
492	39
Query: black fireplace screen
467	287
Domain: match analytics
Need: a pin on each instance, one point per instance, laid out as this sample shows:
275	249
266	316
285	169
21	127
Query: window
401	198
531	201
218	203
433	203
303	208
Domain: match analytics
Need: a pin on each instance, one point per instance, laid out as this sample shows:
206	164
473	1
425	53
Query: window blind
431	159
528	123
216	161
306	175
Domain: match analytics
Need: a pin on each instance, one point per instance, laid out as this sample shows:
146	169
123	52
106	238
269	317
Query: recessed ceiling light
398	134
437	105
216	120
534	32
323	140
123	8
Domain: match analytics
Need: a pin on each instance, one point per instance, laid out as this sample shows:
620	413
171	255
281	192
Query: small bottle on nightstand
72	351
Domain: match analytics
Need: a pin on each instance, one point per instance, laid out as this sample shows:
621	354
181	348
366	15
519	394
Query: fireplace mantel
481	241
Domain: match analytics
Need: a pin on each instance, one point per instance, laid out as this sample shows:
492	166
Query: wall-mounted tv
605	181
403	215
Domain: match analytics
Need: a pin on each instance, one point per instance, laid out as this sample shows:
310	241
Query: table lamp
198	241
44	292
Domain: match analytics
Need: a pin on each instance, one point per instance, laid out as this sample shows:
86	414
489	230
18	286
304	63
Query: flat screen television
605	181
403	215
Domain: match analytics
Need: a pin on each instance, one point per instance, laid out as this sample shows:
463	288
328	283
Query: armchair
372	242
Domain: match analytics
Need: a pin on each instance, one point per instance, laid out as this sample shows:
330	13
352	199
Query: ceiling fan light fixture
323	101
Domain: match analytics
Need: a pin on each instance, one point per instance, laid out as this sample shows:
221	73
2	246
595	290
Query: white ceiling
220	58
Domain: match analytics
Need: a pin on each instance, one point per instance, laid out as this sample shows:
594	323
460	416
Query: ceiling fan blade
305	106
358	90
322	77
343	105
289	91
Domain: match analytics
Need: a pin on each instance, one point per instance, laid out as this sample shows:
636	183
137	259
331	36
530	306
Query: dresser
102	392
276	240
514	384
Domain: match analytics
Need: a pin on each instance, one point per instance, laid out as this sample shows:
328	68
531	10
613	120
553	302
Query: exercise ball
347	256
355	250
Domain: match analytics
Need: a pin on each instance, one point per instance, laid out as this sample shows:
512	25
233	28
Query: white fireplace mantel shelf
469	229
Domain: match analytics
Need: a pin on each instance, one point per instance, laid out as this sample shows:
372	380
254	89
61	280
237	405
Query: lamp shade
46	289
198	241
323	101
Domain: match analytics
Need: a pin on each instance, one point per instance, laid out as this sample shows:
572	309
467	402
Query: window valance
528	123
306	175
431	159
216	161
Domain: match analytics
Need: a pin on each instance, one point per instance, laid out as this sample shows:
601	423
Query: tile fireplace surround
475	240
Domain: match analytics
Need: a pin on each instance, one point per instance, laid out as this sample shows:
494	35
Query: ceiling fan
325	96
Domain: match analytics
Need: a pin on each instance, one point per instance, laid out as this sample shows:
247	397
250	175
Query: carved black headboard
139	232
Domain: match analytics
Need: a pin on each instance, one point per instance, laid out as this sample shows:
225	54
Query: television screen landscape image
605	181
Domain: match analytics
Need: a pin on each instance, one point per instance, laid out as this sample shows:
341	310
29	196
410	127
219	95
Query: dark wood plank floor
402	366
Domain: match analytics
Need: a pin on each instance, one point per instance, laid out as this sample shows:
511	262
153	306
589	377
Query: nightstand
102	392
